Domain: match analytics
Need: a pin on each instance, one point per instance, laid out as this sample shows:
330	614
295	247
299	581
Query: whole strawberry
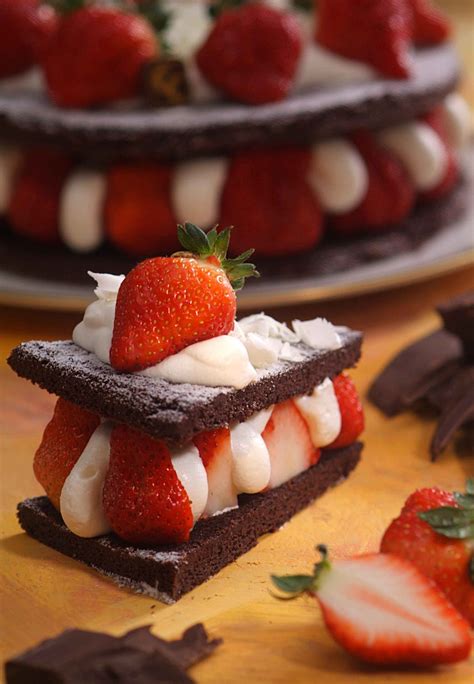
352	413
435	531
390	195
96	56
252	53
376	32
25	29
144	501
167	303
138	214
267	197
64	440
430	26
383	610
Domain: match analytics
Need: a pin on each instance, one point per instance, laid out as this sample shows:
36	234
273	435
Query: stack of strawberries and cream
180	435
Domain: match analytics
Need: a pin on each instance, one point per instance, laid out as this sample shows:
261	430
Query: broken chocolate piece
458	318
438	371
420	364
77	656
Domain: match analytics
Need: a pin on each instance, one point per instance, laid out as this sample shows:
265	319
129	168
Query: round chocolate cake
326	141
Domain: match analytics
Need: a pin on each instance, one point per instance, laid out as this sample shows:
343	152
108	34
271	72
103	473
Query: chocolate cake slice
173	412
171	571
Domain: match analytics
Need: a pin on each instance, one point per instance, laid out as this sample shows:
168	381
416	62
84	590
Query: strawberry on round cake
180	436
305	125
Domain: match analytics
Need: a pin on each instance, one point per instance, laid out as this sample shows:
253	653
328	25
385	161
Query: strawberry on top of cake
173	318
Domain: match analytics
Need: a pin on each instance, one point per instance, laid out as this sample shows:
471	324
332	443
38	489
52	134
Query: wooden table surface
264	639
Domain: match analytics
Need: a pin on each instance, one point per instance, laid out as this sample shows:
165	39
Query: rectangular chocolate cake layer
174	412
171	571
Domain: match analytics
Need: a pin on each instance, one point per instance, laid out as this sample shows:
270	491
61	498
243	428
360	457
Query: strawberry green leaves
298	584
453	522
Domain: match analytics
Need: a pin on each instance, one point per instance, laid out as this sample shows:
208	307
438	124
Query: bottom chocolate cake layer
168	573
26	258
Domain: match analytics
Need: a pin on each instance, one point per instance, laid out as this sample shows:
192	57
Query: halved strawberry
138	214
352	413
64	439
96	56
381	609
167	303
373	31
289	444
390	196
144	501
430	26
267	197
26	26
252	53
435	531
215	451
34	204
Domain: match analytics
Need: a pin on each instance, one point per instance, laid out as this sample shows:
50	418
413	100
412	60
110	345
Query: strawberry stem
213	244
299	584
454	522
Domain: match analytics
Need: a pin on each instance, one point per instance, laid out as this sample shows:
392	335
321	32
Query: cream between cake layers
170	324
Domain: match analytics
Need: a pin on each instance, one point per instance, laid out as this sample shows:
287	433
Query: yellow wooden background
265	640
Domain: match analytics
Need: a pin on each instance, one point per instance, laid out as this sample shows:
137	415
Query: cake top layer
174	412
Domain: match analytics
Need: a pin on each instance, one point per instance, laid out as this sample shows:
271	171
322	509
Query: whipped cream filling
10	160
191	473
338	175
420	150
251	467
196	190
318	65
321	413
81	210
81	496
457	119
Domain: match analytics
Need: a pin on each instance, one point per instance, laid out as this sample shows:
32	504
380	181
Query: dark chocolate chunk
396	388
164	82
77	656
458	318
194	130
24	257
173	412
459	411
169	572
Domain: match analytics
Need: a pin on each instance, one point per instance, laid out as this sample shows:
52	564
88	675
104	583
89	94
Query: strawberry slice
267	197
214	448
167	303
144	501
34	205
430	26
435	531
381	609
138	214
252	53
352	413
376	32
390	196
64	440
289	444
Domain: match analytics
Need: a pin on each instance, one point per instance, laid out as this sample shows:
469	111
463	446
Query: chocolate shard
458	318
173	412
166	573
78	656
455	413
419	365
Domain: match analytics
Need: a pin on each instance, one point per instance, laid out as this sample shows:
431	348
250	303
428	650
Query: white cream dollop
420	150
218	362
81	496
196	190
191	473
81	210
338	175
188	26
321	66
95	331
457	119
321	413
10	160
251	466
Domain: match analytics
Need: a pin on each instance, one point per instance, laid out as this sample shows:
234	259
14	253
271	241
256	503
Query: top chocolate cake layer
173	412
192	130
